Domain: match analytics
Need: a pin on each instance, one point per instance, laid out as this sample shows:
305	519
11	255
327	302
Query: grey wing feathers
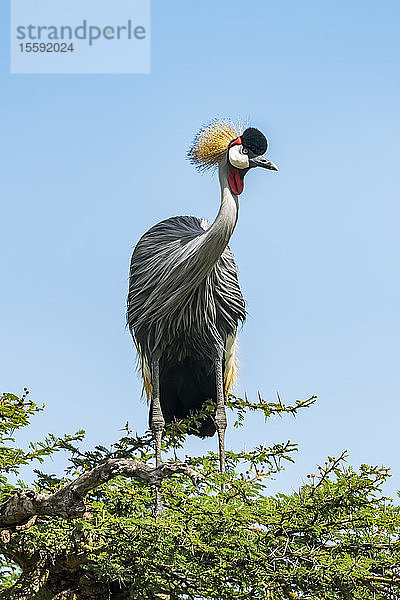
173	307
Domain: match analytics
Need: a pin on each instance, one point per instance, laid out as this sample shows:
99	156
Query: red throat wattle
236	183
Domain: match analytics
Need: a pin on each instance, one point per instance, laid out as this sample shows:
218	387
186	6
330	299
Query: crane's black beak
260	161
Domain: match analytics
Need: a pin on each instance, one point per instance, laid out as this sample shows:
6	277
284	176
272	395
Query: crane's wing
174	297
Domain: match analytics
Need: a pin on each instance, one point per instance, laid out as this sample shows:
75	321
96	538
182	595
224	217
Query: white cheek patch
237	158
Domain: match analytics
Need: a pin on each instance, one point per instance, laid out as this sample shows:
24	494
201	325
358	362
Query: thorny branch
68	501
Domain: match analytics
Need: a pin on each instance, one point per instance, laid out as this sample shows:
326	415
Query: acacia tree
92	534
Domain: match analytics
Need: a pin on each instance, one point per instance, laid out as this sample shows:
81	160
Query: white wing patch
230	366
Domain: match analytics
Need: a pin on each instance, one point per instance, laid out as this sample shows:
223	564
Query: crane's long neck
216	238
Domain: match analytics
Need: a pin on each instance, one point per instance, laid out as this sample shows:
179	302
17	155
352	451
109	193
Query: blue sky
89	162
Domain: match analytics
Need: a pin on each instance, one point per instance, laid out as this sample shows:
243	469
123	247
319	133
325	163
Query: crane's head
224	143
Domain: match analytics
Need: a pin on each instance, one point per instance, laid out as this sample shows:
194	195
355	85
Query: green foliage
336	538
15	413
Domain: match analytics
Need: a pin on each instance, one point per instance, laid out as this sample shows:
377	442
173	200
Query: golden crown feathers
212	142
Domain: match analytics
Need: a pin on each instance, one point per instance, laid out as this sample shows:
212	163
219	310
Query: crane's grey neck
228	213
217	237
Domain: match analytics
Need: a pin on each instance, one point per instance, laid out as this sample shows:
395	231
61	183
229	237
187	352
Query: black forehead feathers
254	140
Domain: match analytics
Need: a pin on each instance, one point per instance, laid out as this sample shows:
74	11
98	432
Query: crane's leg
157	422
220	415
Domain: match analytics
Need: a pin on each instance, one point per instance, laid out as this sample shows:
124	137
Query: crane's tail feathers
230	372
187	385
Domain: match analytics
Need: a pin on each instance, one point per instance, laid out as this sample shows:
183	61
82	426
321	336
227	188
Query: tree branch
68	501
